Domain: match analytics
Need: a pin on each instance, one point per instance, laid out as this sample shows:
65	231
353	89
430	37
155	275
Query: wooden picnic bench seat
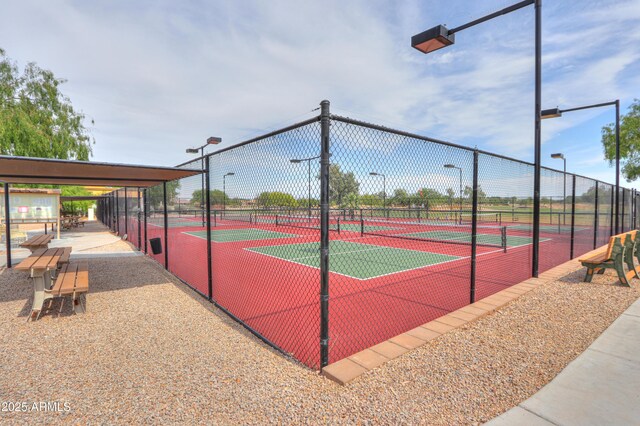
620	251
37	242
73	280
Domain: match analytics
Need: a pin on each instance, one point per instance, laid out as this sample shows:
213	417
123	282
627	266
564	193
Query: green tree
351	201
304	202
629	142
370	200
155	195
450	194
429	197
341	184
276	199
216	197
400	197
75	207
468	194
36	119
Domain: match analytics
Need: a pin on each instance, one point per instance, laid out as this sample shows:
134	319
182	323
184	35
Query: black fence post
622	214
208	210
612	210
139	221
474	228
145	207
7	223
633	209
117	214
595	220
166	226
573	215
126	212
325	125
112	212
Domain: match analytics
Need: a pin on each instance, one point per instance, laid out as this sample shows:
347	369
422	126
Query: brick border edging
352	367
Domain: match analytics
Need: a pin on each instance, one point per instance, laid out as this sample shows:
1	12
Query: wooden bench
38	242
620	251
73	280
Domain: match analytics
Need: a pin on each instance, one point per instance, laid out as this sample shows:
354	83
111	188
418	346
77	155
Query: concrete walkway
601	386
83	241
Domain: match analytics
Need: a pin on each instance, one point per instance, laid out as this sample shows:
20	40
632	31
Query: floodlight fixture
433	39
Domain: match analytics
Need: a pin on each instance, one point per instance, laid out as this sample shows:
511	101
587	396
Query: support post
117	214
474	228
202	185
573	215
166	226
145	207
208	223
126	212
537	138
325	125
7	223
595	220
139	220
622	213
617	165
612	211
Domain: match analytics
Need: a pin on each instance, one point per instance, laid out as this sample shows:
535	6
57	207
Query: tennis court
356	260
401	246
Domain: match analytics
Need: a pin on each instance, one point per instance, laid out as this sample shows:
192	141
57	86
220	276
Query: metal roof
71	172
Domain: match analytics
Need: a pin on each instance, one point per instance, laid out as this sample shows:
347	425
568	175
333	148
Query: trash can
156	245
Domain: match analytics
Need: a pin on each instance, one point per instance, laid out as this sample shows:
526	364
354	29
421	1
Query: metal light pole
557	112
213	140
564	187
384	189
439	37
308	160
224	190
451	166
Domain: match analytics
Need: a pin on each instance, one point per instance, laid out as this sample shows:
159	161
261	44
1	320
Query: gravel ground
118	246
149	350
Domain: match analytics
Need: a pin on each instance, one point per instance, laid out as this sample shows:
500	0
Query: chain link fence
332	235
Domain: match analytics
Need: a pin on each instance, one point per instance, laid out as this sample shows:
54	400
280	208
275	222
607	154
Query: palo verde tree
36	119
629	142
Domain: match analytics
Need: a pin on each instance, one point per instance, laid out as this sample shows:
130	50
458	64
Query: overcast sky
160	76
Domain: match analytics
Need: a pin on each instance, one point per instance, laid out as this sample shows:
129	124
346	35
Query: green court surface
246	234
356	260
465	237
177	223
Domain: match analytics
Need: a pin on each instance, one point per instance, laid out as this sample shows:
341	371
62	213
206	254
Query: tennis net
305	222
488	236
233	216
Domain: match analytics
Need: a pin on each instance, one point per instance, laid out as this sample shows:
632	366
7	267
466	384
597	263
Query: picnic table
40	264
38	242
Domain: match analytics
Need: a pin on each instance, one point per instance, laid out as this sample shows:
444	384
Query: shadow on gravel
609	278
105	274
